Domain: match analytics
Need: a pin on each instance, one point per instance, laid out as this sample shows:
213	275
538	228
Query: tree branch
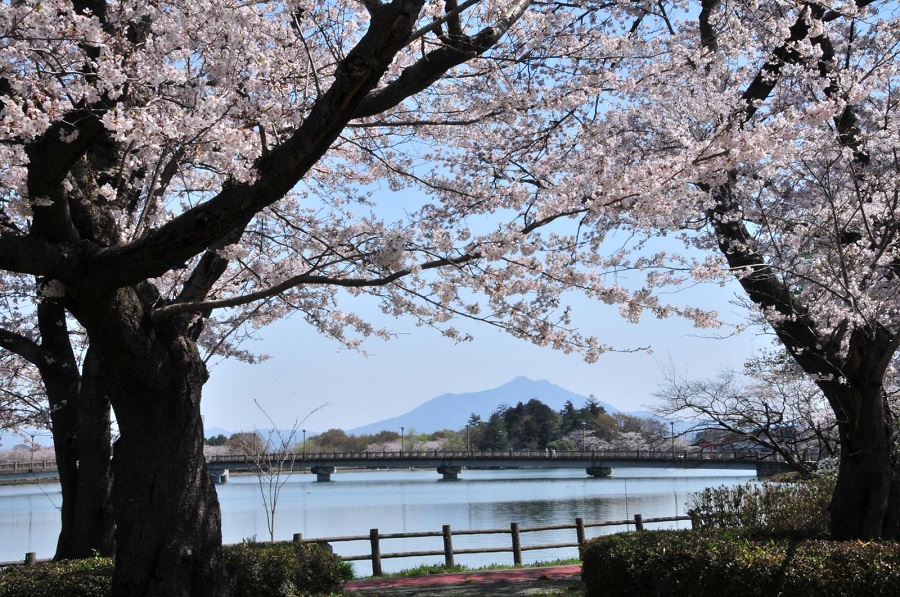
162	313
436	63
24	347
213	223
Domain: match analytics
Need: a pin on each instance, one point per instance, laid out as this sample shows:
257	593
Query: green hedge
255	569
282	569
72	578
734	563
798	509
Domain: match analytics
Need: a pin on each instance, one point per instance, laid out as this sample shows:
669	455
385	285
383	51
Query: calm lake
408	501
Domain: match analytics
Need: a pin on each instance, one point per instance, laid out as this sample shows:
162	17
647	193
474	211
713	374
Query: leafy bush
270	569
716	562
283	569
797	509
71	578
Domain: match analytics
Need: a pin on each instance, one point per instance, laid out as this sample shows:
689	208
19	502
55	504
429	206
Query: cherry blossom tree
797	175
177	174
152	156
763	136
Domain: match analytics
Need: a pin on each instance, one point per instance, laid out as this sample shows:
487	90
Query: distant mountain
452	411
214	431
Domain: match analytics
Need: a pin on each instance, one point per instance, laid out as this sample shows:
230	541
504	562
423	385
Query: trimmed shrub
71	578
795	509
716	562
283	569
270	569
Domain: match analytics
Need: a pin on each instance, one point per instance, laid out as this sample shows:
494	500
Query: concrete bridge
449	464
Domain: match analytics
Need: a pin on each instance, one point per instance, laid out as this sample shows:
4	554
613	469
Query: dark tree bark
94	521
867	486
80	420
168	531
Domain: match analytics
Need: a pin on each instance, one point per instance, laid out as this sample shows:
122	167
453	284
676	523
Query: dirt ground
547	581
571	587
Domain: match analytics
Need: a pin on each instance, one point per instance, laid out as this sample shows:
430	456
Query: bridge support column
219	476
599	471
451	473
323	473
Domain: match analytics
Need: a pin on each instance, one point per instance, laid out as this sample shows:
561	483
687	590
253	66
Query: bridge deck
494	459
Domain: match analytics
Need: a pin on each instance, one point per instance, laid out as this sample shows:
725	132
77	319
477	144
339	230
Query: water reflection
404	501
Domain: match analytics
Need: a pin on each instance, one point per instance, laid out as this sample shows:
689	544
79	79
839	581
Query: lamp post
304	443
401	440
582	436
672	423
468	449
31	469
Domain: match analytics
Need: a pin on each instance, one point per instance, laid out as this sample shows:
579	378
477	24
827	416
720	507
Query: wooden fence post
448	546
376	552
638	522
30	558
298	537
516	546
579	530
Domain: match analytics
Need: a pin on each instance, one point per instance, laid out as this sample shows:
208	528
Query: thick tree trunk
866	485
93	517
80	420
168	529
865	501
64	419
83	450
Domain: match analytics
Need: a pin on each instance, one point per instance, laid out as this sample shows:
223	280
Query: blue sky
307	371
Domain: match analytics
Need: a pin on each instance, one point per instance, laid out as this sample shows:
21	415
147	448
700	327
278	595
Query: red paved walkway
486	576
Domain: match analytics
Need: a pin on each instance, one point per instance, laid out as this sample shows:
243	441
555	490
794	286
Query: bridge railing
514	544
38	466
748	455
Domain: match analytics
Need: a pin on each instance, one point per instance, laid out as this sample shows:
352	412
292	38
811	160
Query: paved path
552	580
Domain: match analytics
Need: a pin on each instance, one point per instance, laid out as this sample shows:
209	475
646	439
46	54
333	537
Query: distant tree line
528	425
535	426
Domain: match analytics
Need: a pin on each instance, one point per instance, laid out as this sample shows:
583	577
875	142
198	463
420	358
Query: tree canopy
176	174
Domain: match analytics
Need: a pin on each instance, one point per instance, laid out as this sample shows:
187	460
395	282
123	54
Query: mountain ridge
452	411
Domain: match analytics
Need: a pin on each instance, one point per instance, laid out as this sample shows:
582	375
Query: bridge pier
323	473
219	476
451	473
599	471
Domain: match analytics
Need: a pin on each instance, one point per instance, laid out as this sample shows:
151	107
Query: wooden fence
514	545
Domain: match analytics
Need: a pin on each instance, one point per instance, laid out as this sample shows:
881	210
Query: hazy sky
307	371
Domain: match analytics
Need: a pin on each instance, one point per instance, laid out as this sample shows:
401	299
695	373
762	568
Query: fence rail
448	552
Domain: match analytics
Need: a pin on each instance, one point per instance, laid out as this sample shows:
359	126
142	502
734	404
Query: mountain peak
452	411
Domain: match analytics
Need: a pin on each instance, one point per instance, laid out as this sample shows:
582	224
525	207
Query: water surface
408	501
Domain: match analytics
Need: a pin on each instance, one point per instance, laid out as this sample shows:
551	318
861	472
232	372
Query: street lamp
582	436
468	449
401	441
32	454
304	443
672	423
